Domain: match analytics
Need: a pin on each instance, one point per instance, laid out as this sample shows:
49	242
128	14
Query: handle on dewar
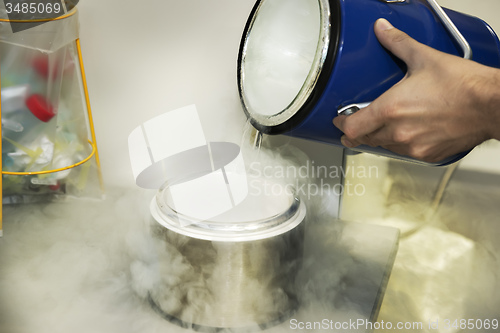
452	29
351	108
449	25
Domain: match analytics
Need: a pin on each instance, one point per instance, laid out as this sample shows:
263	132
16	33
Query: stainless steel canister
236	271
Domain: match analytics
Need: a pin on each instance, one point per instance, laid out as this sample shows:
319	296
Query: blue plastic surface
363	69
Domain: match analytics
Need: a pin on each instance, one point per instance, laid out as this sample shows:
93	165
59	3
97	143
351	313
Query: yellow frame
92	142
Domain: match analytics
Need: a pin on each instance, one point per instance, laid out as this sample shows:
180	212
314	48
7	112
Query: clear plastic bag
48	142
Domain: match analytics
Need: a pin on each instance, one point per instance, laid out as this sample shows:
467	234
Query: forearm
485	89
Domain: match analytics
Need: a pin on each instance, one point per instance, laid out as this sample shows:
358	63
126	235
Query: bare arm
444	105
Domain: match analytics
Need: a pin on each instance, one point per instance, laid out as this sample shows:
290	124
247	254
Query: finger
339	121
358	125
379	137
424	153
398	43
399	149
348	143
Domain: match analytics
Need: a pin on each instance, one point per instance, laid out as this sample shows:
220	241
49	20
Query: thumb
398	43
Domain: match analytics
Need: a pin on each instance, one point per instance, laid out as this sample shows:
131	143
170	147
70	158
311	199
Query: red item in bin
41	65
40	107
55	187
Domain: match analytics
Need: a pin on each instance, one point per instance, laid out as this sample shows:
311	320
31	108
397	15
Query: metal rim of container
264	223
269	124
278	224
199	233
169	212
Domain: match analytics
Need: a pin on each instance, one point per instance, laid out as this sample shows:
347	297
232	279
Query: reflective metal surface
452	29
237	285
263	114
230	272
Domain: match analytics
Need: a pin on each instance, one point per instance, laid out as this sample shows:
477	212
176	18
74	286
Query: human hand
443	106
